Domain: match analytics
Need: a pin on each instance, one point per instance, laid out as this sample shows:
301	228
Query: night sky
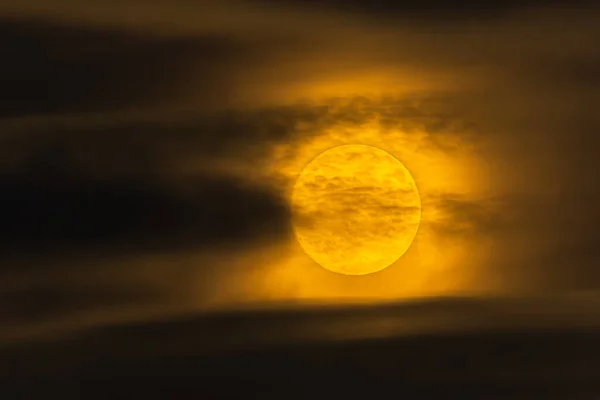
148	151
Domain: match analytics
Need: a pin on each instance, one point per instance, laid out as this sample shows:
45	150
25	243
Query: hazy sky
148	149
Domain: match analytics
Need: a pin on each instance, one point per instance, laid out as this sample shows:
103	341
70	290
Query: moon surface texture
356	209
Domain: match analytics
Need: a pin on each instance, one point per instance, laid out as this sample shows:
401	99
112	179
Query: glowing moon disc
356	209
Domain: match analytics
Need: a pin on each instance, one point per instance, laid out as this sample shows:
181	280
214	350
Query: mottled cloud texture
142	159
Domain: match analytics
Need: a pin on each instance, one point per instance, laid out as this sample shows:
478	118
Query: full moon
356	209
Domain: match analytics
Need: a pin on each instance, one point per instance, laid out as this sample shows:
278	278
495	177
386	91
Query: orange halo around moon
356	209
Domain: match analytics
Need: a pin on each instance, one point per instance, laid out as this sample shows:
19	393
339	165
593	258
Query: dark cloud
569	255
78	187
52	300
59	68
114	145
467	218
79	202
439	10
56	211
540	242
578	72
479	348
571	263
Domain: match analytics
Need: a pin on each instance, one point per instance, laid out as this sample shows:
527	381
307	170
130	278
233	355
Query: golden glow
434	264
356	209
443	166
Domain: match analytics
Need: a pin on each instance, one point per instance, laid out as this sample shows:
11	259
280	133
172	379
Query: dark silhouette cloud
73	205
438	10
471	348
154	144
52	212
466	217
51	67
52	300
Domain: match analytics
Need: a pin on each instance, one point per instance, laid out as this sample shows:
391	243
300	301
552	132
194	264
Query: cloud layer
137	145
